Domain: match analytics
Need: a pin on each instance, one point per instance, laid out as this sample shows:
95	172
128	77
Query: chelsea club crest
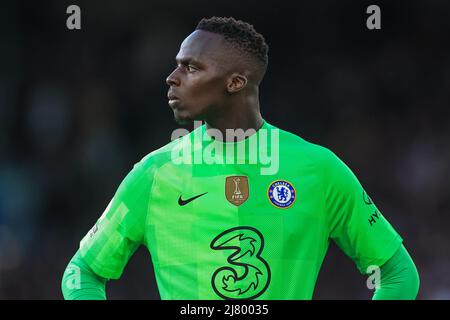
281	194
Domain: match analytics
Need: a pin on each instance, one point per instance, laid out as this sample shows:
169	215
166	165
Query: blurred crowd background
79	107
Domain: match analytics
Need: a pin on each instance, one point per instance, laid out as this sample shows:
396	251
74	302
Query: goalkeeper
224	227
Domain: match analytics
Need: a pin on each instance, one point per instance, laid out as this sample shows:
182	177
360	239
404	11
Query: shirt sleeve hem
389	252
99	269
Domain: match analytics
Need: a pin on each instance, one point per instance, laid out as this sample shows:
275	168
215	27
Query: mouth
172	97
173	100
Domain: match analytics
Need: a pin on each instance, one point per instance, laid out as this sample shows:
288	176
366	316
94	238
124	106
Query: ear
236	82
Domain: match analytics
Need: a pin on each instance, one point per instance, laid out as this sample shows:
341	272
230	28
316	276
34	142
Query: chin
182	121
181	117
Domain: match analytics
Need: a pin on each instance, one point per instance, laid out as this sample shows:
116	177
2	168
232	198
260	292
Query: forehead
202	46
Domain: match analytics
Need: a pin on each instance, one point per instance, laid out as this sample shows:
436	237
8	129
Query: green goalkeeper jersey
245	220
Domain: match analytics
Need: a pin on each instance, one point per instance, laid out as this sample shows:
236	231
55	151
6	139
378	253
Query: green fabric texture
250	230
399	278
81	283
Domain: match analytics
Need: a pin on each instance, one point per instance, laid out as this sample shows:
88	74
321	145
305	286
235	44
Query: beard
180	119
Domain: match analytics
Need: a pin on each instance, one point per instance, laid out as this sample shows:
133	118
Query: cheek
207	91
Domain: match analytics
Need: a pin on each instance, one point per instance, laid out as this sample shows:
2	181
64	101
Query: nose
172	79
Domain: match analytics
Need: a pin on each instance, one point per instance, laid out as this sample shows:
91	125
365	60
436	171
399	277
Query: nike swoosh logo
182	202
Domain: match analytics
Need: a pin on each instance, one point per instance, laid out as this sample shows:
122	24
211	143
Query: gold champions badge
237	189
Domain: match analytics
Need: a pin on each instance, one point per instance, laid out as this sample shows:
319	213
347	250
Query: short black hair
239	34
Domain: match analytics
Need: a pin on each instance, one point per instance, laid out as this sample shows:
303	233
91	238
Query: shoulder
332	171
320	155
157	158
163	155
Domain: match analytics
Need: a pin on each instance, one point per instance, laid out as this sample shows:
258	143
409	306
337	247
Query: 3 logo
247	274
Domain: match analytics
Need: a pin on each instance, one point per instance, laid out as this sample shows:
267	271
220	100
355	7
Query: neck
241	114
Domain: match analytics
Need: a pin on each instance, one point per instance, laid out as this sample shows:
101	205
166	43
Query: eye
188	67
191	68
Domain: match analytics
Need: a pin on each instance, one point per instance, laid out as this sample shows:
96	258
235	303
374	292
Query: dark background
79	108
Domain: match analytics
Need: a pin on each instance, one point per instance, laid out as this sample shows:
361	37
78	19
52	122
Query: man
224	218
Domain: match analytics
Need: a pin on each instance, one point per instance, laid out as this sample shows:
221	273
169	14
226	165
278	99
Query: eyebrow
187	60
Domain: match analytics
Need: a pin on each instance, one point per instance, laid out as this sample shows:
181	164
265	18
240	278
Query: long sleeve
79	282
399	278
